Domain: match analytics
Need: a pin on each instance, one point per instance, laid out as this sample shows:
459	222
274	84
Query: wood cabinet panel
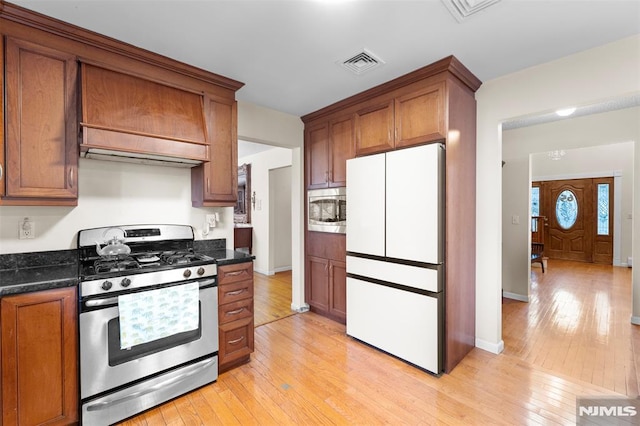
317	156
131	104
2	145
420	116
39	358
317	291
328	146
215	183
236	341
338	290
233	273
41	115
235	314
341	149
374	128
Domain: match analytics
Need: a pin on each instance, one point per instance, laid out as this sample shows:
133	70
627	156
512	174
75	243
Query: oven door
105	366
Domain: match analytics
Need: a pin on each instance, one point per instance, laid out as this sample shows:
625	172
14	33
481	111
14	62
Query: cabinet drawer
235	311
236	291
236	340
234	273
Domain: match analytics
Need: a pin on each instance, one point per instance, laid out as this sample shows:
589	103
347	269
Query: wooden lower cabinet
235	315
327	287
39	343
326	275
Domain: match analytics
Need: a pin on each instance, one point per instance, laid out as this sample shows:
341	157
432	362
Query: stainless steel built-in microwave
327	210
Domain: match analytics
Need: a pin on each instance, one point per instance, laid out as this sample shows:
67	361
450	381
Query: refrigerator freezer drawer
399	322
407	275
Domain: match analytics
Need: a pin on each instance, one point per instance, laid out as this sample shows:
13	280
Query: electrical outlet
210	219
27	229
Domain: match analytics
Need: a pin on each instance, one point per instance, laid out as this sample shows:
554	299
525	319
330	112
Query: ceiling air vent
462	9
362	62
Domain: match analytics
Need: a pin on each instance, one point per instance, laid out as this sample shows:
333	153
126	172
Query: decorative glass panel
603	209
566	209
535	201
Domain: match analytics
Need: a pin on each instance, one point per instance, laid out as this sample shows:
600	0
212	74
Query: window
535	201
566	209
603	209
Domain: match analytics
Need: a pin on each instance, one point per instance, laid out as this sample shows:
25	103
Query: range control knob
107	285
201	271
186	273
125	282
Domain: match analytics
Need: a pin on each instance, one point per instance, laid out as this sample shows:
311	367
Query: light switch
515	219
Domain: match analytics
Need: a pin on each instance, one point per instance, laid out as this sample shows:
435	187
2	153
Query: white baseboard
274	271
515	296
635	320
494	348
300	309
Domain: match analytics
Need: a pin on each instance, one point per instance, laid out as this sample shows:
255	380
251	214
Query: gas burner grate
178	257
116	264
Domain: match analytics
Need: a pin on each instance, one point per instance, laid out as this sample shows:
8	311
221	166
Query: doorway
578	218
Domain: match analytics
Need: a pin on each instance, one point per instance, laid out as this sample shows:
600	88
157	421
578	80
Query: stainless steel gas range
148	319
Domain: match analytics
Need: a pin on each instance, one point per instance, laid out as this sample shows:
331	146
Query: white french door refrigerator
395	253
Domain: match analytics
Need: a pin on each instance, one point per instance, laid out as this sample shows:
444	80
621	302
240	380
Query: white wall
581	79
261	164
606	156
280	219
112	193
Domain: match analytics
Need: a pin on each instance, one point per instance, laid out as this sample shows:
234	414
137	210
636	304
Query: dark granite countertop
28	272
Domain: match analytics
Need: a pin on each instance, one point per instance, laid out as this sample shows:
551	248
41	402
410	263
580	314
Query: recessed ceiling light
565	112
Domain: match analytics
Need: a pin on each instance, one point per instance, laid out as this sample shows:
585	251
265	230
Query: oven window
119	356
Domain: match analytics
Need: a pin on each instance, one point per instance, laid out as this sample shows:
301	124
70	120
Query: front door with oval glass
579	219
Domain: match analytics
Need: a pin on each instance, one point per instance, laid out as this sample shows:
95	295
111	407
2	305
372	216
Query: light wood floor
305	370
577	323
271	297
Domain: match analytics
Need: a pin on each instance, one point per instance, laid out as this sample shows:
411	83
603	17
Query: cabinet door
317	291
338	289
42	145
420	116
317	156
374	129
39	358
215	183
341	149
2	163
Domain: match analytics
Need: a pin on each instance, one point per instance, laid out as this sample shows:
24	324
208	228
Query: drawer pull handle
235	342
236	312
235	293
234	274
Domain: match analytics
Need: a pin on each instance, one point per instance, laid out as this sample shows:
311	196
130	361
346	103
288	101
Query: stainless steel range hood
137	158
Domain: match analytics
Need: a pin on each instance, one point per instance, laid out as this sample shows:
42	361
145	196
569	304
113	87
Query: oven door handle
114	300
110	403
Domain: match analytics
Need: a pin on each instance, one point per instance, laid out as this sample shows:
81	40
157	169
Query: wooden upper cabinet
420	116
407	120
39	342
374	128
341	149
328	146
215	183
127	113
41	132
2	162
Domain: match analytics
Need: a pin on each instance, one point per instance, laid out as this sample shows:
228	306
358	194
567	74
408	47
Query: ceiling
288	53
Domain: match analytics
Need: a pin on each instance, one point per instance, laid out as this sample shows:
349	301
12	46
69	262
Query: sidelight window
566	209
535	201
603	209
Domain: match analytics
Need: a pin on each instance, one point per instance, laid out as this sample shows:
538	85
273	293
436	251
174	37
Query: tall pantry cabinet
435	103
